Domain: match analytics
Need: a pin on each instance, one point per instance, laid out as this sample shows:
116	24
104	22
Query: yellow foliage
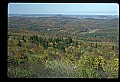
32	50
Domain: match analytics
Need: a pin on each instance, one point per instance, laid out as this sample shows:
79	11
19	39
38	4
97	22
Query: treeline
58	42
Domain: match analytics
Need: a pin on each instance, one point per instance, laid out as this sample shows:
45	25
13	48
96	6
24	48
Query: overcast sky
64	8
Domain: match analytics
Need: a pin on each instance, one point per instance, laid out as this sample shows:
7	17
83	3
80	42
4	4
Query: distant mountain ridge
63	15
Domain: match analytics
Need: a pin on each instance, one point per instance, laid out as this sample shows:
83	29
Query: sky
64	8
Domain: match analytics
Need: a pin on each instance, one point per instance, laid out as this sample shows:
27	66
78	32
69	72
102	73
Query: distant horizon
60	14
64	8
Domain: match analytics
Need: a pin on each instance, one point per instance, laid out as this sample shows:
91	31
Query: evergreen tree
96	45
113	47
19	43
14	37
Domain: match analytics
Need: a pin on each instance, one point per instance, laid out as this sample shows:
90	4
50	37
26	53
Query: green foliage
75	61
88	73
62	52
112	67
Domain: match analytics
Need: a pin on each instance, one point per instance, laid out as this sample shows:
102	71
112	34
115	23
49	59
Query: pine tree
113	47
19	43
14	37
23	37
96	45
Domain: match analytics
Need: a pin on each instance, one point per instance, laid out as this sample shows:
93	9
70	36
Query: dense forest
63	47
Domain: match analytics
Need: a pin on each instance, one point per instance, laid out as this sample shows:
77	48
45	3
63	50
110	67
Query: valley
80	46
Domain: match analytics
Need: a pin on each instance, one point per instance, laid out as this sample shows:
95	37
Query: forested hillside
63	46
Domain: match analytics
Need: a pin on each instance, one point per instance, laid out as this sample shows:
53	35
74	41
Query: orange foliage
18	54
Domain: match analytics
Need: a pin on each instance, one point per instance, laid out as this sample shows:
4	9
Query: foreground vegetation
38	57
